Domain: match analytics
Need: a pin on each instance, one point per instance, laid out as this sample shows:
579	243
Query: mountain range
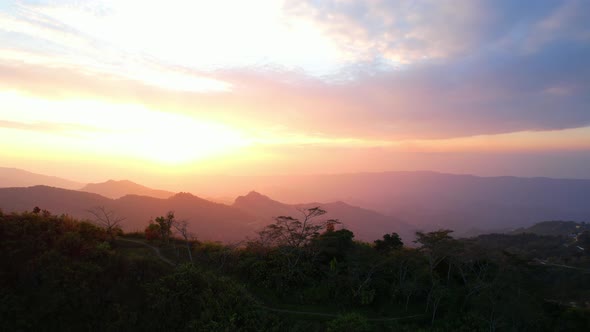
371	204
207	220
466	203
367	225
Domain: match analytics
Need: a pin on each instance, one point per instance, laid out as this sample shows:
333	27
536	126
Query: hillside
116	189
555	228
63	274
207	220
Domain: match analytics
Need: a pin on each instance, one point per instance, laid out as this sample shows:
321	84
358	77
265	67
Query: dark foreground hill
61	274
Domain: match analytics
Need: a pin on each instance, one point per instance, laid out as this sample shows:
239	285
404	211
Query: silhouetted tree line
58	273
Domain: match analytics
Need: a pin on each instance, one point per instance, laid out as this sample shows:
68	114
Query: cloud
406	31
55	36
460	68
490	94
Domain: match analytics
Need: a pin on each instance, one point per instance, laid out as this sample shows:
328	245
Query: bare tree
293	235
296	233
107	219
181	227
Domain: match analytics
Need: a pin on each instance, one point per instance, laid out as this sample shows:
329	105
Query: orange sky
105	89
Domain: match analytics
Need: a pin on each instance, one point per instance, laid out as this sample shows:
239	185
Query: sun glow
132	131
171	139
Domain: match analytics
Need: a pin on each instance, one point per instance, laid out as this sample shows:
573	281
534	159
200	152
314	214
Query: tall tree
437	247
165	223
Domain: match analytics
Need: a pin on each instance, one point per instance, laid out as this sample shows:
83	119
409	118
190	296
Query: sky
92	90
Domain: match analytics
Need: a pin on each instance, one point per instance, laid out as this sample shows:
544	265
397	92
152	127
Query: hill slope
555	228
207	220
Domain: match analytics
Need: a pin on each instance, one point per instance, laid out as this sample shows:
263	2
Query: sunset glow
90	127
375	165
242	87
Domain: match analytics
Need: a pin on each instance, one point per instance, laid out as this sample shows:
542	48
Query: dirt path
568	267
542	262
155	249
311	313
322	314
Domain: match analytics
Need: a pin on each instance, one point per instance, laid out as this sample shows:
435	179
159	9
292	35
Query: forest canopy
59	273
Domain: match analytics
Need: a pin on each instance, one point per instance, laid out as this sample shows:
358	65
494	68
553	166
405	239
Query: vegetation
57	273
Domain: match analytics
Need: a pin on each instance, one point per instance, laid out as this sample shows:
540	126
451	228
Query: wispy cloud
55	36
406	31
404	70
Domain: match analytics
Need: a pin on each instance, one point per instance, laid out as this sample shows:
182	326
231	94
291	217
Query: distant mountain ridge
468	204
367	225
555	228
117	189
14	177
207	220
433	200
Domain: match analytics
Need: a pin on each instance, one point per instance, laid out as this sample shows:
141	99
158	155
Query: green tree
437	247
196	300
390	242
165	223
152	232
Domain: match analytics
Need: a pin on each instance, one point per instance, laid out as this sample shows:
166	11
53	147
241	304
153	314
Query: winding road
544	262
295	312
155	249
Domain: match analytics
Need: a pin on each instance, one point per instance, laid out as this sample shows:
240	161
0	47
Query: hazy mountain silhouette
555	228
263	206
13	177
432	200
117	189
428	200
367	225
208	221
